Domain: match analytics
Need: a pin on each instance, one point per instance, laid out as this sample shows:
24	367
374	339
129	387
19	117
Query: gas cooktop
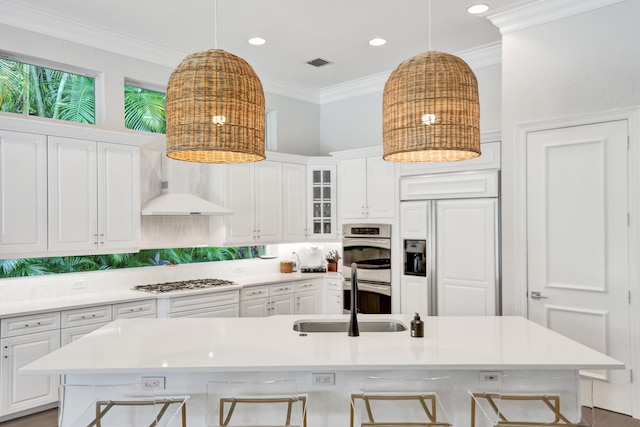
186	285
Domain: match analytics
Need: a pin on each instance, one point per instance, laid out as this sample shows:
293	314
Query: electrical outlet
490	376
323	379
79	284
153	382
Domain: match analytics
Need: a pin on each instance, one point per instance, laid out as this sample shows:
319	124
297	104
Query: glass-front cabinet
322	202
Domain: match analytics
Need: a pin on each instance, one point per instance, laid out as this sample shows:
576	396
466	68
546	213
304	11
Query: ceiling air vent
318	62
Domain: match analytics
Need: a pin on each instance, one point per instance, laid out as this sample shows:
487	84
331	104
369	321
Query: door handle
537	295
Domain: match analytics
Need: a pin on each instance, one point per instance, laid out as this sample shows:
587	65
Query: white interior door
466	257
577	237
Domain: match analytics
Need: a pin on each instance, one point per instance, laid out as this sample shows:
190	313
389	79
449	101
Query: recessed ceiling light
257	41
478	8
377	41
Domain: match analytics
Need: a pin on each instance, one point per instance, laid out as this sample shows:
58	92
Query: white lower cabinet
79	322
214	304
307	301
280	298
25	339
267	300
333	303
145	308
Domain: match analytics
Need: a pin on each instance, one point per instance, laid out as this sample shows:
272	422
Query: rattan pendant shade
215	110
431	110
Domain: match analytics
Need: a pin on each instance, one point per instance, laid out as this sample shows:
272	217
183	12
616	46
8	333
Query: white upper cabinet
294	226
118	196
254	195
321	204
94	196
23	186
367	188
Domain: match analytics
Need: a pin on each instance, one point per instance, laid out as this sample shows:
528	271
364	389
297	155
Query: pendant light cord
215	24
429	23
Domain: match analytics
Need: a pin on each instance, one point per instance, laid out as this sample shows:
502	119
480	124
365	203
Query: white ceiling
296	31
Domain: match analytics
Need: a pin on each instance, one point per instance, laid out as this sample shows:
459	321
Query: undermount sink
343	326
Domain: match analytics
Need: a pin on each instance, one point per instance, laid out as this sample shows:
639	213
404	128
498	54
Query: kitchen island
191	352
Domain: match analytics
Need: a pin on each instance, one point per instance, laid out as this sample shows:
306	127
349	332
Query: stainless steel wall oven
369	246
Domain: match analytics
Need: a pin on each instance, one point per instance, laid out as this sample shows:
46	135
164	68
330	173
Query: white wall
357	122
582	64
298	125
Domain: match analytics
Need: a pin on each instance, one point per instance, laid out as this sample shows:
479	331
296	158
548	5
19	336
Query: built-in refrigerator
449	226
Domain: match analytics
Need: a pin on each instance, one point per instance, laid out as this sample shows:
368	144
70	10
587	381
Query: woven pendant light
215	110
431	110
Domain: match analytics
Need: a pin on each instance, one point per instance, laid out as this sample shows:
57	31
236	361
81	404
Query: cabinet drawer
281	288
69	335
206	300
14	326
86	316
146	308
334	285
254	292
231	310
306	286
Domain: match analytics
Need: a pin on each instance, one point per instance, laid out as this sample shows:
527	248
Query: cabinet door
333	297
294	202
334	302
307	302
23	186
118	197
268	184
282	304
466	257
413	220
381	188
73	207
414	296
353	188
240	199
321	202
254	308
21	392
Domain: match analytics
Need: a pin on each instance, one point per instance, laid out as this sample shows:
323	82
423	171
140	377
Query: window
147	257
32	90
144	109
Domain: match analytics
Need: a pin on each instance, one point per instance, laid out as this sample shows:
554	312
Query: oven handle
370	287
376	243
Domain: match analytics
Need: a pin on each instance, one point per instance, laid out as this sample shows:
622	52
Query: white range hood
170	203
176	200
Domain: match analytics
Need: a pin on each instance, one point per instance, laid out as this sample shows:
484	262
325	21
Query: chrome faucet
353	321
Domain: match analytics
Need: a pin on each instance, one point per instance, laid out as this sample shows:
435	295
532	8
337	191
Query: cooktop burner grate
186	285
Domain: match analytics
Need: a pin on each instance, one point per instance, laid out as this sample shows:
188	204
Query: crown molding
541	12
20	16
481	56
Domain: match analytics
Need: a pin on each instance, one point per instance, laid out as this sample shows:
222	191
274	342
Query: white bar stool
118	405
403	402
529	401
275	403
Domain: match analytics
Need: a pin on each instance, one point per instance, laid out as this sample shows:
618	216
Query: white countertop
40	305
262	344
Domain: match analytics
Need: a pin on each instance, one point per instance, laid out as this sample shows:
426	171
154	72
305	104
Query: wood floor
50	419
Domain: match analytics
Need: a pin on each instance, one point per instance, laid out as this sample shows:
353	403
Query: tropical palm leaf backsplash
149	257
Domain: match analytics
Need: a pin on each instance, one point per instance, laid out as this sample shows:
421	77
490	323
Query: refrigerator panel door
466	257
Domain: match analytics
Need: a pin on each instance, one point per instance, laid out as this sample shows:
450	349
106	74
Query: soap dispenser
417	327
